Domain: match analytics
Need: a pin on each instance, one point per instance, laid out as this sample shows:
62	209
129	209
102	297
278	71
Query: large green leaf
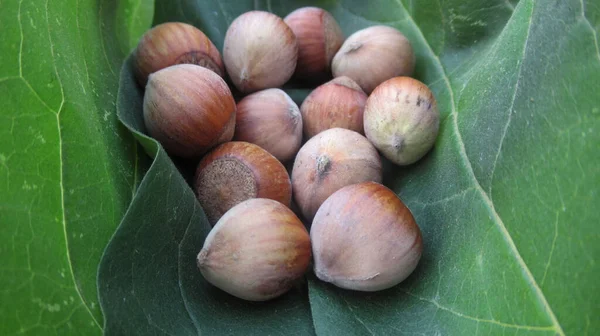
504	200
68	168
148	278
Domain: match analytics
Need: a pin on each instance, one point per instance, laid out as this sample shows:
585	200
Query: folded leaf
148	280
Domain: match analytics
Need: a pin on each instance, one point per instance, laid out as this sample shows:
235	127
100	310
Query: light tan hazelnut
260	51
373	55
256	251
329	161
271	120
401	119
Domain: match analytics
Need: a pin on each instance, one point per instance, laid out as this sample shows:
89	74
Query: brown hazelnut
188	109
236	171
364	238
329	161
337	103
319	37
271	120
174	43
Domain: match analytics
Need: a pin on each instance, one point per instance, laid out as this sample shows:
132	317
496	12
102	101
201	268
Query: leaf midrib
57	113
463	154
61	160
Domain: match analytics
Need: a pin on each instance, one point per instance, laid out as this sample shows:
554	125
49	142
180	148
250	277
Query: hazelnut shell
337	103
271	120
401	119
364	238
329	161
256	251
319	37
373	55
260	51
174	43
236	171
188	109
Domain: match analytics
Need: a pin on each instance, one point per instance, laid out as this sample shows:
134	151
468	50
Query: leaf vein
102	42
551	248
61	173
185	302
133	18
22	39
357	318
87	73
512	104
509	5
459	194
480	320
589	24
496	218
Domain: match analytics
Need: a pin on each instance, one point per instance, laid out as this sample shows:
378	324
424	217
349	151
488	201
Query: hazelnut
188	109
319	37
260	51
271	120
174	43
364	238
329	161
401	119
337	103
256	251
373	55
236	171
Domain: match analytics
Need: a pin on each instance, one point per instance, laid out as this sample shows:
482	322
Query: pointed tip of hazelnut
353	47
347	82
322	275
202	258
323	165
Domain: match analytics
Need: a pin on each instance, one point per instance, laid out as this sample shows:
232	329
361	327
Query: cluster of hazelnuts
362	237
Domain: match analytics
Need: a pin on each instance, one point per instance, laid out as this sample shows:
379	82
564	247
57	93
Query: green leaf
133	19
149	281
505	199
68	168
